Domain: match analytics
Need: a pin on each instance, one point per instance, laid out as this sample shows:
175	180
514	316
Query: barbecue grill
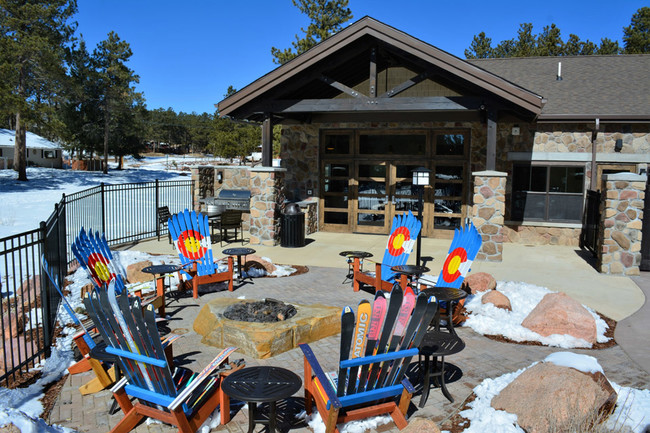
238	199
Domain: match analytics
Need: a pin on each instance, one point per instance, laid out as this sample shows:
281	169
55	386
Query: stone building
513	144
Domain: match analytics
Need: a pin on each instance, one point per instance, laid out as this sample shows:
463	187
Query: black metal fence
124	213
591	222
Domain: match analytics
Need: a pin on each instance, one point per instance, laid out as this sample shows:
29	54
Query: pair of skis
94	255
395	325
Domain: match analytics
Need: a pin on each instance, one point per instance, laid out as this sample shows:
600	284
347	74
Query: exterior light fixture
421	179
220	176
618	146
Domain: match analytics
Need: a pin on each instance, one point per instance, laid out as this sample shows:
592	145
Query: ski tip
432	299
364	301
380	294
346	310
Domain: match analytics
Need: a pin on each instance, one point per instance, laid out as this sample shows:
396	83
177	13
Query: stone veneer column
488	212
267	196
619	235
203	177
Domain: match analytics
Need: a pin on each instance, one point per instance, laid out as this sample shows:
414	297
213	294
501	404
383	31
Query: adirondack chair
462	252
404	232
104	375
365	386
174	396
191	236
93	254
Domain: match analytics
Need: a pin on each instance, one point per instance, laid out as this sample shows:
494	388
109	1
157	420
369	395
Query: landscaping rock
270	267
134	272
545	398
498	299
557	313
479	282
421	425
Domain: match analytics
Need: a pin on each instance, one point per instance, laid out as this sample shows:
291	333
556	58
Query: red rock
270	267
498	299
557	313
134	272
545	398
479	282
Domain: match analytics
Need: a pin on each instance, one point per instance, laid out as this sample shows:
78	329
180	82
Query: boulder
479	282
545	398
270	267
558	313
498	299
421	425
134	272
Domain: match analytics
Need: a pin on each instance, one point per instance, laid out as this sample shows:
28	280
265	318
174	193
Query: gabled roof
614	87
246	102
8	137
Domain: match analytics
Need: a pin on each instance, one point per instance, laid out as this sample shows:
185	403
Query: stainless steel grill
238	199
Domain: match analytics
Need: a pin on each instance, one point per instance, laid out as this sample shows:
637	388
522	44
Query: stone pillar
203	177
267	197
488	212
619	235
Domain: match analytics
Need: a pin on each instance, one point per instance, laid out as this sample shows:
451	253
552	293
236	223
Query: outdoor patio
483	358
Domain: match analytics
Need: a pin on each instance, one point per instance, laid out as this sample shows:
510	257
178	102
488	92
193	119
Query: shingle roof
617	86
8	137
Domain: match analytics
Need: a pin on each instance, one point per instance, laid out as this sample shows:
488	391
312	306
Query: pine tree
480	48
636	37
607	46
327	17
549	42
33	38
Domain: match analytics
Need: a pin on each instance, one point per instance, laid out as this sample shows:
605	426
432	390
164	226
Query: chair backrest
94	255
231	218
403	235
190	233
462	252
393	333
132	336
163	214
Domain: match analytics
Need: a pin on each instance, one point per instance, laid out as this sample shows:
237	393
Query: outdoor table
436	344
449	295
239	252
410	271
261	384
159	281
351	255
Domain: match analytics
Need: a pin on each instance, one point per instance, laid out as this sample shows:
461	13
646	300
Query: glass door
404	195
372	199
335	208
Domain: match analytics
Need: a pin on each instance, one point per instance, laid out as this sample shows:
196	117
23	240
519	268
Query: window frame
547	194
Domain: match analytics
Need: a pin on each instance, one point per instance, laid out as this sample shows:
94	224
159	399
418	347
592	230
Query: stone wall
541	235
619	237
267	198
488	213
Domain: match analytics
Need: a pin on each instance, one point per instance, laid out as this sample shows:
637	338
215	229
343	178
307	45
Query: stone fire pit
263	340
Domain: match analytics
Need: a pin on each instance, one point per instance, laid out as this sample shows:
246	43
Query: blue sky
188	53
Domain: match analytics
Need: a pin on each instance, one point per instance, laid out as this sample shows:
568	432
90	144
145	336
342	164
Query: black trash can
292	232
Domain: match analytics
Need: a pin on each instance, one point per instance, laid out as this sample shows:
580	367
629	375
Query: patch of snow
584	363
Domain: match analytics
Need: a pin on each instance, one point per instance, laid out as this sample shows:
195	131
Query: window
547	193
49	154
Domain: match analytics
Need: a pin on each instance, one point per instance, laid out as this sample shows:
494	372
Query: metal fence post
156	214
102	198
45	293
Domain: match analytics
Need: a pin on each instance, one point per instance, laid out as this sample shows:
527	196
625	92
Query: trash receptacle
292	232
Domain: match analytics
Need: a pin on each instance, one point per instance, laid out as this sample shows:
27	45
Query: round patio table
451	296
159	282
242	251
351	255
261	384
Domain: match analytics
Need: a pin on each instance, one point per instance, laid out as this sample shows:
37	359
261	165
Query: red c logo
450	269
397	239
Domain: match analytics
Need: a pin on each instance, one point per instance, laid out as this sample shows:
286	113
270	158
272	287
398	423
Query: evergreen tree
549	42
526	43
117	96
607	46
636	37
327	18
33	38
480	48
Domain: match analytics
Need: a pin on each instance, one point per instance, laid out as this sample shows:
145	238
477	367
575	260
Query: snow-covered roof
8	137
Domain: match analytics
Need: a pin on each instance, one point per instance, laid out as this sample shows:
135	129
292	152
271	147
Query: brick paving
482	358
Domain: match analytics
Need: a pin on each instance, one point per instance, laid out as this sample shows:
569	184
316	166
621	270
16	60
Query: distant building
40	151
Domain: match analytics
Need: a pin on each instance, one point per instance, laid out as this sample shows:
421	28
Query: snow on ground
485	318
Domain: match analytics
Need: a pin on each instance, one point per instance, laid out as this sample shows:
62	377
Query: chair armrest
320	374
204	374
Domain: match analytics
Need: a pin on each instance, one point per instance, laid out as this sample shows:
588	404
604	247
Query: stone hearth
264	340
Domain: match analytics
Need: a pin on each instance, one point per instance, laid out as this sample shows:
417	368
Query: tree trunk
120	162
106	123
20	150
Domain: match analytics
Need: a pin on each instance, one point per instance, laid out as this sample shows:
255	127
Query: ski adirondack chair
462	252
191	236
403	234
104	376
93	254
174	396
374	357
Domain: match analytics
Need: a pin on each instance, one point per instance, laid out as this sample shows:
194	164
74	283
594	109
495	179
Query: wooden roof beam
342	87
406	84
435	103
